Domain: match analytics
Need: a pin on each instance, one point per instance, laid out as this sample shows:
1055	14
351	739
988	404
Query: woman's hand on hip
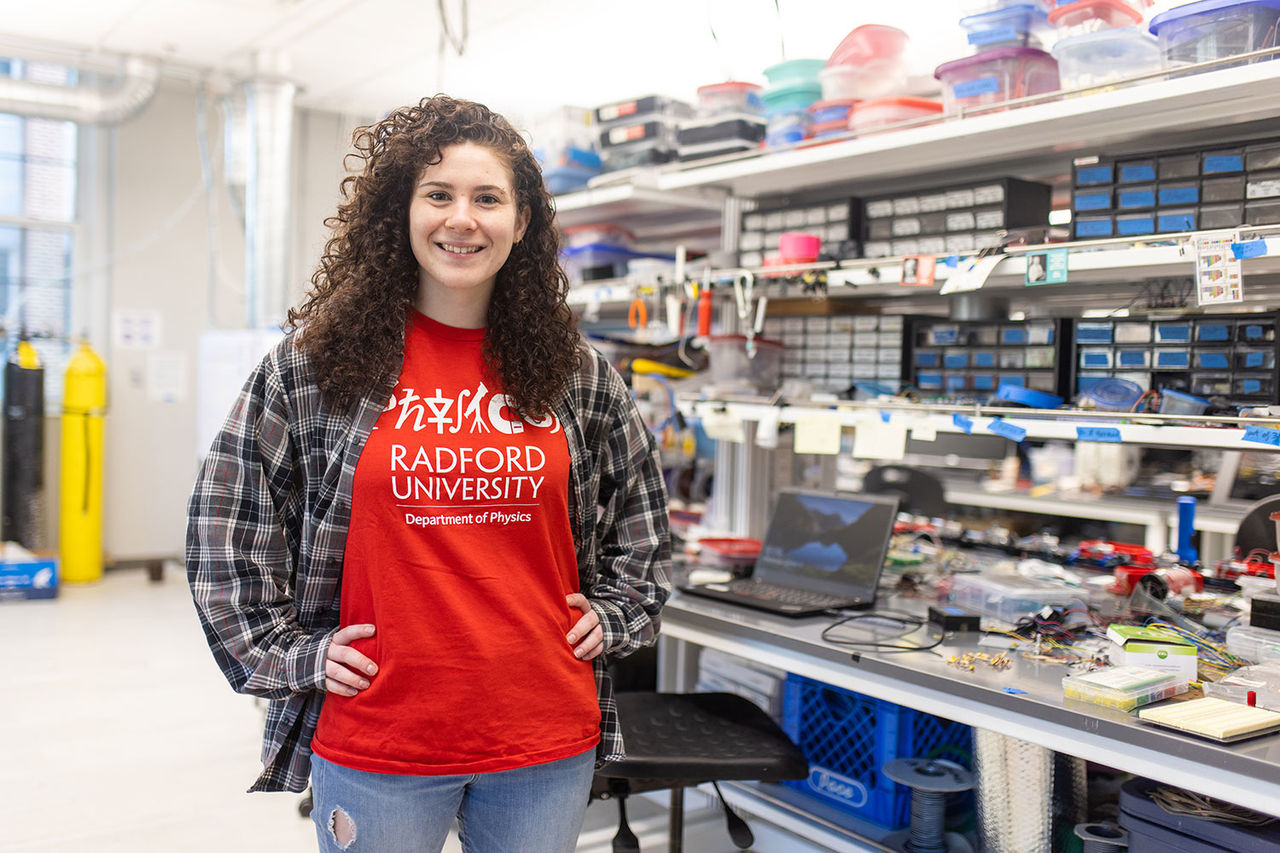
586	636
346	671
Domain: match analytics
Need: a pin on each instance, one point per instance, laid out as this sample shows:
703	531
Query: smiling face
463	220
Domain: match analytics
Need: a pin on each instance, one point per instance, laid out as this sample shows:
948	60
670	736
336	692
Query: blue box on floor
28	579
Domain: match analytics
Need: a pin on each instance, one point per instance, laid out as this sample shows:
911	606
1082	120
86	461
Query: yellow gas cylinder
84	404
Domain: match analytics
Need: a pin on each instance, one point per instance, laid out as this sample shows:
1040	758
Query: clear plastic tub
786	127
1091	16
1105	57
1177	403
1213	29
1010	597
862	82
731	96
1012	26
996	75
1256	645
1123	687
641	109
867	116
730	367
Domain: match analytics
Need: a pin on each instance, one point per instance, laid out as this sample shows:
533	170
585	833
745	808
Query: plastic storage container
641	109
1256	645
1011	26
1106	56
1214	29
731	96
1177	403
786	127
867	116
996	75
1091	16
797	95
826	111
731	368
1111	394
1123	687
793	70
870	45
1010	597
859	82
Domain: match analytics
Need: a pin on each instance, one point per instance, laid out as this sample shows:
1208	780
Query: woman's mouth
456	249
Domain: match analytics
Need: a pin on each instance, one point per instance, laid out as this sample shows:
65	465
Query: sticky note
723	426
1262	435
963	423
924	430
878	440
1249	249
818	434
1010	431
1093	433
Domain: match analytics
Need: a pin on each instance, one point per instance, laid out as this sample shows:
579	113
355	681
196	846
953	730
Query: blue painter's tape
1014	691
884	416
1249	249
1010	431
1262	435
965	424
1093	433
973	88
952	261
1215	163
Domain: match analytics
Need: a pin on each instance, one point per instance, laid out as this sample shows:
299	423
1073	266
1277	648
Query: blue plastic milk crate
848	738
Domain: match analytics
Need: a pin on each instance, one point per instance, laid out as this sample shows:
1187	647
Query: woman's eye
438	196
488	199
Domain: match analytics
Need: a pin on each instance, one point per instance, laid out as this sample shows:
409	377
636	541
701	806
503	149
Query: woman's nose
460	218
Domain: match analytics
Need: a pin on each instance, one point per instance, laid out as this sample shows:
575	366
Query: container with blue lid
1105	57
1018	395
1214	29
1011	26
1112	394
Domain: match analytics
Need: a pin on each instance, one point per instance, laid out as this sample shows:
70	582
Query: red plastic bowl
867	44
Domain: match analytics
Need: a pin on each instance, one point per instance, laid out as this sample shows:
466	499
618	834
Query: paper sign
924	430
1010	431
724	426
965	424
767	428
971	274
1262	435
135	329
1047	267
1249	249
166	376
1217	270
918	269
878	440
1086	433
818	434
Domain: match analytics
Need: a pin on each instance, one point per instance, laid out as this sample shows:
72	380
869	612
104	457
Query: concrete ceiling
520	56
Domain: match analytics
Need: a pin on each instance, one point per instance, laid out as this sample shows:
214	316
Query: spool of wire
1102	837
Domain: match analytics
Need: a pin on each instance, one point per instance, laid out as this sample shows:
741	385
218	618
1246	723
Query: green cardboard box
1154	648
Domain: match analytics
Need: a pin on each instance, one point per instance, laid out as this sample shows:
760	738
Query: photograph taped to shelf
1047	267
918	270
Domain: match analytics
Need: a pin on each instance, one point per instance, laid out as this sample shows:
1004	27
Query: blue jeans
535	809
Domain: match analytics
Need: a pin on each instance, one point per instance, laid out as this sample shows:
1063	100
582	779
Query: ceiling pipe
84	104
269	106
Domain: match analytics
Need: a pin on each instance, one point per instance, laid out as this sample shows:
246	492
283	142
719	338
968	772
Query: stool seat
700	737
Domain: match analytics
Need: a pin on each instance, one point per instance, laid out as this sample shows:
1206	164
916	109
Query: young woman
433	513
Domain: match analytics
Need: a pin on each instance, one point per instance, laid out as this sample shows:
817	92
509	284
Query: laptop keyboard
765	591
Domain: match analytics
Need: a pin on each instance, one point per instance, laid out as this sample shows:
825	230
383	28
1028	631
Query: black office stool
675	740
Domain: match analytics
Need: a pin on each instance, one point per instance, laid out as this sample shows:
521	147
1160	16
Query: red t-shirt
460	553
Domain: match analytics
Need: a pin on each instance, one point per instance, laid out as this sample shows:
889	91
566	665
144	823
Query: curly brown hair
352	322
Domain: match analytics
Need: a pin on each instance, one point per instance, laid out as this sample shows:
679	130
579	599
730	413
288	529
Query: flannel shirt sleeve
634	557
239	562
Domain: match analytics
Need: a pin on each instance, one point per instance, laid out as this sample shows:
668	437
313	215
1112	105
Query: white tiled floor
118	733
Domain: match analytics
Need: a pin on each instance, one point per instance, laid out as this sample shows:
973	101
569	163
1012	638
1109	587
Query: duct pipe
84	104
269	108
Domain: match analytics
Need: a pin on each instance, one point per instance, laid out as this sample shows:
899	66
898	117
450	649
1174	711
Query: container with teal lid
794	70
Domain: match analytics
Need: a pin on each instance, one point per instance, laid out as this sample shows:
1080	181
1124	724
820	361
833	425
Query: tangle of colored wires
1179	802
1213	657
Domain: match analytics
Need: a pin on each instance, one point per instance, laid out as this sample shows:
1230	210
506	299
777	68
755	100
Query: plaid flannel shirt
267	528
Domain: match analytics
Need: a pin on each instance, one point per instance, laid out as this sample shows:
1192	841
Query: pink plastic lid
869	43
727	86
799	245
1116	13
923	104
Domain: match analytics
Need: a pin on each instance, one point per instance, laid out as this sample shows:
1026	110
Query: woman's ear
522	222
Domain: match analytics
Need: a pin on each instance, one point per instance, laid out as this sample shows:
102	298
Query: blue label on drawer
926	359
984	382
929	380
999	34
955	361
1002	427
1092	201
1255	359
1253	333
944	336
1176	222
1249	249
955	383
1093	227
961	422
1214	332
973	88
1017	381
1136	225
1093	433
1179	195
1093	334
1223	163
1251	386
1172	359
984	359
1173	333
1137	198
1138	172
1013	336
1095	359
1132	358
1214	360
1090	175
1262	435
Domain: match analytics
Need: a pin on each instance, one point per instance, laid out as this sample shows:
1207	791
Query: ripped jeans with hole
535	809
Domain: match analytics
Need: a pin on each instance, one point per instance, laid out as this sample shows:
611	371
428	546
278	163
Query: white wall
179	250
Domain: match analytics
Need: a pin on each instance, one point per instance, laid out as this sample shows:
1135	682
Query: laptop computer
823	551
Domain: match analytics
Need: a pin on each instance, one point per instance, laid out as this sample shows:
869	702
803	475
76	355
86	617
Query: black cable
909	624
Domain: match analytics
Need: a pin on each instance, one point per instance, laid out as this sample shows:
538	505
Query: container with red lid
1089	16
827	129
869	44
731	96
867	116
994	76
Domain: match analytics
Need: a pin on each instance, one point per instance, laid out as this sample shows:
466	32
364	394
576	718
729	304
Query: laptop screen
828	542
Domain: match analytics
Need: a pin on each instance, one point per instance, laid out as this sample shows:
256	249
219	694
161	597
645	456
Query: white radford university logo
449	414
